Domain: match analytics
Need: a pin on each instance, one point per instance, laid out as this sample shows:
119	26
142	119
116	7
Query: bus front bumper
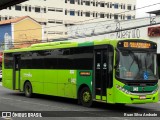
122	97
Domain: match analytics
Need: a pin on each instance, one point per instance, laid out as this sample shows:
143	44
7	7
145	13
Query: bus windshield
136	65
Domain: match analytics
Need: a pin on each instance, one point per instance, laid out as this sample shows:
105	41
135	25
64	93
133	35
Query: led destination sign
137	44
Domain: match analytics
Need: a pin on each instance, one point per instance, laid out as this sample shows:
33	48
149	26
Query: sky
142	12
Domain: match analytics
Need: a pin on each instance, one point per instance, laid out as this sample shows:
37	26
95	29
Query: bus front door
16	72
101	74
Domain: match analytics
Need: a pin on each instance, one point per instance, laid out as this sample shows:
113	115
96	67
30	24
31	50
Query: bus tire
28	89
86	97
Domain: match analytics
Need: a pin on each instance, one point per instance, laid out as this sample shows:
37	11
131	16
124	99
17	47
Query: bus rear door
16	72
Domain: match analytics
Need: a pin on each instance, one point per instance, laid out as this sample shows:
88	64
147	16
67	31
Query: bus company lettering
73	80
27	75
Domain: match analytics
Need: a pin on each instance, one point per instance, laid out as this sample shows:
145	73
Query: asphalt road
62	108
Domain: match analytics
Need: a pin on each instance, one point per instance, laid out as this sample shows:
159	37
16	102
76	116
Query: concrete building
56	15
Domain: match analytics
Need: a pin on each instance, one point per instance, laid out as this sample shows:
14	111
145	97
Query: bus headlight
155	90
122	89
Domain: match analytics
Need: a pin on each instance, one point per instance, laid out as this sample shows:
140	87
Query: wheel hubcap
27	89
86	96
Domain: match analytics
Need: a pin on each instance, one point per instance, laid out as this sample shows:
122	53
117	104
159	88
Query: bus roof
65	44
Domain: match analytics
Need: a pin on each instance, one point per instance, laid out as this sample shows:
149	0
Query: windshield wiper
135	58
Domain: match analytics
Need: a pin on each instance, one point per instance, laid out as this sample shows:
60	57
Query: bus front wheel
86	97
28	89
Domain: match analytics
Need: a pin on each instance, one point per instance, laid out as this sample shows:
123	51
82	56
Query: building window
78	13
59	10
44	10
93	14
87	14
115	17
133	17
78	2
93	3
96	14
10	17
26	8
65	1
51	21
101	15
128	17
65	12
29	8
72	1
5	17
96	3
107	15
107	4
58	32
124	7
51	32
81	2
102	4
116	5
134	7
18	7
121	6
81	13
110	5
37	9
43	23
51	9
123	17
110	15
72	12
88	3
59	21
129	7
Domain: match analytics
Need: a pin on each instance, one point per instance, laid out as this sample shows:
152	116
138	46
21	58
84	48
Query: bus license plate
142	97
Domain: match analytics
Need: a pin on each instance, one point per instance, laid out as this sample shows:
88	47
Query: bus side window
110	66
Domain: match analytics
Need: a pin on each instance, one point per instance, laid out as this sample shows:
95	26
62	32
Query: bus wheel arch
27	88
85	96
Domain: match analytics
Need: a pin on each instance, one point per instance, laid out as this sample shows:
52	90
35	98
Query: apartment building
56	15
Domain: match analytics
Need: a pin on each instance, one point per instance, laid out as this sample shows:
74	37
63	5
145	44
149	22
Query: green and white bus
110	71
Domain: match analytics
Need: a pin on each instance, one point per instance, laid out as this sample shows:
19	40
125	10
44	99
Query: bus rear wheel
86	97
28	89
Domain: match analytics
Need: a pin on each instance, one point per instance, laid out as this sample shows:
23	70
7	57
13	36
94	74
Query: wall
27	32
6	40
57	30
137	28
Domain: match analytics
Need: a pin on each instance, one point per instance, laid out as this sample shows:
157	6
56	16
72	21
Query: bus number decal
85	73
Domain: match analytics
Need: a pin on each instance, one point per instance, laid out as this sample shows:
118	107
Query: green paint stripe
88	43
147	88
